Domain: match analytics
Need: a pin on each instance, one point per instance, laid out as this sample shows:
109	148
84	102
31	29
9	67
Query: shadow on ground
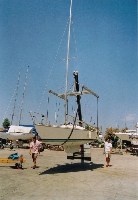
74	167
12	167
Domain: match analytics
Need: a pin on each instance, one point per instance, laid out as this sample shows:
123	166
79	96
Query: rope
71	84
71	131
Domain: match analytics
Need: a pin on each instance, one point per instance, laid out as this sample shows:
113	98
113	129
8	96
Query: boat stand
84	154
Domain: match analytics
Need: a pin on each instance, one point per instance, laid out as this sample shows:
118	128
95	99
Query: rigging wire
9	105
32	117
23	94
75	41
52	66
16	96
56	113
76	51
47	109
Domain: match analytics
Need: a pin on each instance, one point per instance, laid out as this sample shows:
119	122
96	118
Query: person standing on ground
108	151
34	150
11	145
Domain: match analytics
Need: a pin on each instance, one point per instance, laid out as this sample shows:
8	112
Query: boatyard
56	177
68	122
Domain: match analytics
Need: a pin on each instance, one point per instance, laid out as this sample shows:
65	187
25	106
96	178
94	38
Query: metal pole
15	96
121	146
67	63
97	116
82	154
23	94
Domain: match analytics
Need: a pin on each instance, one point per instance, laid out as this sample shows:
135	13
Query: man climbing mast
76	89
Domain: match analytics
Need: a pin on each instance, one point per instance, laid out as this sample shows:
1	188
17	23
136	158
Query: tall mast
67	63
15	96
23	94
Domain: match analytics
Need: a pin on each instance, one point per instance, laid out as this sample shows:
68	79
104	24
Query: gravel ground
58	178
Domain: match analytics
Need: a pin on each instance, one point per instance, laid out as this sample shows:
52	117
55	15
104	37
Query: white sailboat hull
17	132
123	136
58	135
126	136
16	136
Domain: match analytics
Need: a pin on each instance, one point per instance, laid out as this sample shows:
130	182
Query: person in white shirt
108	151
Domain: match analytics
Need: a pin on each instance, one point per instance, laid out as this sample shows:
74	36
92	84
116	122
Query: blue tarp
14	156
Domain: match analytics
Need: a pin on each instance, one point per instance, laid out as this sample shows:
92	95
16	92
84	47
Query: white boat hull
62	136
17	132
123	136
126	136
58	136
16	136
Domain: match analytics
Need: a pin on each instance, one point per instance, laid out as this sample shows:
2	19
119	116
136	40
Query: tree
109	133
6	123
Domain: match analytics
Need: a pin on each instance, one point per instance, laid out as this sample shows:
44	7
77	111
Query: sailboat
129	135
17	132
70	136
20	132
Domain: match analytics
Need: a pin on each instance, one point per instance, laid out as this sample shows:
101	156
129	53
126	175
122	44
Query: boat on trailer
129	135
68	135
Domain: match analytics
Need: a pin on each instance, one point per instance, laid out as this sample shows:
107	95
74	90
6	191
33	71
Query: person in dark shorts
108	151
34	150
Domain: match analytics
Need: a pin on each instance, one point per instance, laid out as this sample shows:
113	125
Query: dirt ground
58	178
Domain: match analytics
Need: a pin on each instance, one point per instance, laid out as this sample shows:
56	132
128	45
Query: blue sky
103	41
